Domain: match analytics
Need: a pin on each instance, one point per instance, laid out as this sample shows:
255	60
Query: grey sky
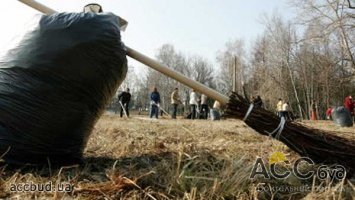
199	27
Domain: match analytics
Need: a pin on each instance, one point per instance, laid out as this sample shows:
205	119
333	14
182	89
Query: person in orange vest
313	111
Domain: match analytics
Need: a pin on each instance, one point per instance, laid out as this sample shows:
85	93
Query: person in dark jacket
154	103
124	98
258	102
204	106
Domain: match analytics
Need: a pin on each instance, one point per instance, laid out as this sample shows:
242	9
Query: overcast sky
200	27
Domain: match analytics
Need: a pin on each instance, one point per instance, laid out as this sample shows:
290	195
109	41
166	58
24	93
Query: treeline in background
309	59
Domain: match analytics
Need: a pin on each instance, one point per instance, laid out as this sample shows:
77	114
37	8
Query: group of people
198	106
125	97
349	104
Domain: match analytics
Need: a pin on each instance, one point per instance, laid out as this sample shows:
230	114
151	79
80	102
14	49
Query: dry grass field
139	158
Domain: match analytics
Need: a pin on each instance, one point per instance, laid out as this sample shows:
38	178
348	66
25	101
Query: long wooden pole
234	73
38	6
150	62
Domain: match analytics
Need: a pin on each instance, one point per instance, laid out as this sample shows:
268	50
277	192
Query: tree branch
350	6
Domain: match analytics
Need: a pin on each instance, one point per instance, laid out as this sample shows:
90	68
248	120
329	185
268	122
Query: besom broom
319	145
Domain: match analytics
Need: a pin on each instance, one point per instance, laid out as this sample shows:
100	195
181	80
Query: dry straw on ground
139	158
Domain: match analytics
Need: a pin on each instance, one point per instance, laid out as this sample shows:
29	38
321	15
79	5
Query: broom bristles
319	145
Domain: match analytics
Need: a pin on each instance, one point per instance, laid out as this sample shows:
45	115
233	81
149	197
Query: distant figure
279	107
342	117
193	103
140	111
215	111
252	99
285	111
204	106
198	108
124	98
328	113
314	111
258	102
217	105
175	101
349	104
154	103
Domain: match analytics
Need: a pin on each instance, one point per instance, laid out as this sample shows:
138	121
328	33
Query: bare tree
202	71
336	19
301	68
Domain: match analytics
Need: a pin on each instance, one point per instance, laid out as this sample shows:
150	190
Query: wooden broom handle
150	62
38	6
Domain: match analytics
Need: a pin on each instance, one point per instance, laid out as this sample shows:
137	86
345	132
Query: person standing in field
279	107
252	98
328	113
154	103
215	111
193	104
204	106
124	98
285	111
314	111
349	104
175	101
258	102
